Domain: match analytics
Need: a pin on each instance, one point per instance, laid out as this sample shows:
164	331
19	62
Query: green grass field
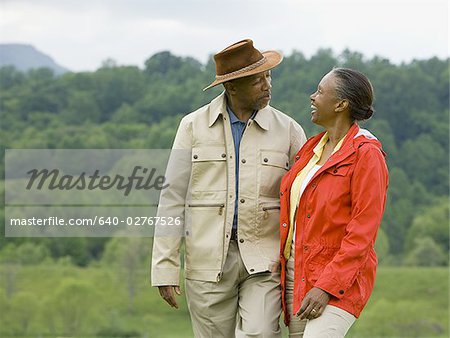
58	300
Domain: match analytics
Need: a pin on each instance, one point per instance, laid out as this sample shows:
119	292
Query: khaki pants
240	305
333	323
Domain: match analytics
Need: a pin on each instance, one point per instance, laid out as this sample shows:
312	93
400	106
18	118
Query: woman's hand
313	304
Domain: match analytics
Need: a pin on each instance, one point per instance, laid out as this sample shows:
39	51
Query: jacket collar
218	106
307	151
262	117
353	140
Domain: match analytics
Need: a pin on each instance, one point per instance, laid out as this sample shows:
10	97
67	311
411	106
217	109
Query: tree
432	222
115	86
426	253
431	167
127	255
74	305
24	308
382	245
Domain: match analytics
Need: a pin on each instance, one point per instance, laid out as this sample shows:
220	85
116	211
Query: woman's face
324	101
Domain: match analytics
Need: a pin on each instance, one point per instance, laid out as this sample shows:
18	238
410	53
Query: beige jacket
202	193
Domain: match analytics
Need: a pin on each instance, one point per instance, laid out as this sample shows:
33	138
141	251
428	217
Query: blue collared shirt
237	130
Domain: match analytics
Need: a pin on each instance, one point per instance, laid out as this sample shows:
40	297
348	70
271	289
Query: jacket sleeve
165	269
368	194
298	139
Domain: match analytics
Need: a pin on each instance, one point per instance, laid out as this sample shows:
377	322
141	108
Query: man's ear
230	87
342	105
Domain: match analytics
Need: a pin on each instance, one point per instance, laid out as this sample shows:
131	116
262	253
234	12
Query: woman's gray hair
356	88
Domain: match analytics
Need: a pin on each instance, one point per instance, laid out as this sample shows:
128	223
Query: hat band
242	70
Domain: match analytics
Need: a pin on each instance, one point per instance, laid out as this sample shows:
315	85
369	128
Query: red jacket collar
349	146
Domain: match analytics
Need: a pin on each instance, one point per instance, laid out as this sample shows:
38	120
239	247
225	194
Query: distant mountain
25	57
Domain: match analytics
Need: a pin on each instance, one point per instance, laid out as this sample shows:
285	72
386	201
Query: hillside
25	57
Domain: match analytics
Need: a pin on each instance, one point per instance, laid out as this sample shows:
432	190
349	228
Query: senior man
226	196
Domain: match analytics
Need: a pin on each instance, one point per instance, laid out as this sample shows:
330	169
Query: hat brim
273	57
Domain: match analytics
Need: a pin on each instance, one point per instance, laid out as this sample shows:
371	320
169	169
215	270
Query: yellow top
297	184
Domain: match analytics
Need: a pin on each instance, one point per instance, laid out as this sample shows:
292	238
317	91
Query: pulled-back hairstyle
356	88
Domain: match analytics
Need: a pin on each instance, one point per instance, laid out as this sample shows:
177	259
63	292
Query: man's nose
267	84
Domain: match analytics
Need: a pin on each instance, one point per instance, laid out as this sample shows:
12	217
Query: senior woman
332	202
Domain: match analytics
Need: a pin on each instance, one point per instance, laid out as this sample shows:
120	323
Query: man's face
254	91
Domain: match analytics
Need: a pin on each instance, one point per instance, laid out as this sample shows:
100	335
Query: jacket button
195	157
341	292
224	155
242	200
297	157
266	159
284	225
309	216
241	241
187	233
243	160
281	194
335	171
251	270
303	279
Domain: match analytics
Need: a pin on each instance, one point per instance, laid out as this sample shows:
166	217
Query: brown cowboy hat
242	59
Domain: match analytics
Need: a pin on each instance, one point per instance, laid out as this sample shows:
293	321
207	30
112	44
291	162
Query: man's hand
167	293
313	304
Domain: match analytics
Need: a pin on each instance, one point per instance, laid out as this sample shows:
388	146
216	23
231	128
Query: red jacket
337	221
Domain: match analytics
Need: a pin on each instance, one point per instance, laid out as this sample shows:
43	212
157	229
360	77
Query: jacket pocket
274	165
209	167
221	206
316	263
205	235
268	229
340	169
268	209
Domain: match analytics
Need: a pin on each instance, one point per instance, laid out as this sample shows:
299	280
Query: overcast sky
80	34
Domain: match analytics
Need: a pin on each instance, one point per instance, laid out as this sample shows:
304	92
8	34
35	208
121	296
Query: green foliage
382	246
426	253
429	167
128	255
27	253
432	223
23	311
72	306
91	302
